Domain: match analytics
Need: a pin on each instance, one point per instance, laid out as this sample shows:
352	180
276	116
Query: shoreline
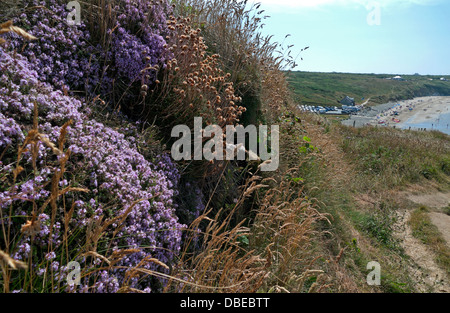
418	113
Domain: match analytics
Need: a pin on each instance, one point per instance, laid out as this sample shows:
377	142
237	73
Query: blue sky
406	36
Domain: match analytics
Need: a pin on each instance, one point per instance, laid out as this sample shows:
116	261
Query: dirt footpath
428	275
442	221
436	200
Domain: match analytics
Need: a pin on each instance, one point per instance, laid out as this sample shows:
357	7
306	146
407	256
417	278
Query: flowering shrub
9	131
94	190
114	180
114	61
61	53
131	49
138	40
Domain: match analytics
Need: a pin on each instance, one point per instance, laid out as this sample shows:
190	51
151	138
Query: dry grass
193	85
271	254
285	226
269	249
232	29
9	27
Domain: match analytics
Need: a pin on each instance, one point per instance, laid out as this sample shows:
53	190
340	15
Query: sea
442	123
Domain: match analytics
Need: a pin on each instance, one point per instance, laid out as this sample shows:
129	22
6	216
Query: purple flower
102	159
50	256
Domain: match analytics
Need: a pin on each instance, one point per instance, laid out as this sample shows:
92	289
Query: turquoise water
441	124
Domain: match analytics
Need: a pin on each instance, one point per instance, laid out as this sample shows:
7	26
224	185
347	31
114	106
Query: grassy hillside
359	177
328	88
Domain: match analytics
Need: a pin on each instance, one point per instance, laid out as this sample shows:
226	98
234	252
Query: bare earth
434	200
442	221
428	275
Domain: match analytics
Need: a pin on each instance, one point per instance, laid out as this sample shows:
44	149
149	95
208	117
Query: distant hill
312	88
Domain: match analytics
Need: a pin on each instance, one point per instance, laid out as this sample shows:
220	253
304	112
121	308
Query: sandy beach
419	113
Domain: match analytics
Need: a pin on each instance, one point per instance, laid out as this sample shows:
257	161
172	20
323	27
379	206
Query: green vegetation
327	89
387	158
356	177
